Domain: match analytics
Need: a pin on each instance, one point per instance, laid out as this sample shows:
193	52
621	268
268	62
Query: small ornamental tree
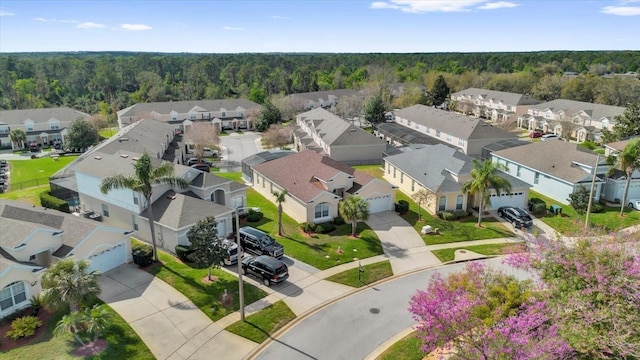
277	136
82	134
579	200
207	249
353	209
374	110
202	135
269	114
422	196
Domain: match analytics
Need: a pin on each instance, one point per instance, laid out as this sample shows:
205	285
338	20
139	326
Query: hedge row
49	201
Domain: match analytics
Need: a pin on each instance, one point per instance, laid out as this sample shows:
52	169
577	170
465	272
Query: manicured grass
235	176
570	223
406	349
488	249
373	170
108	132
29	170
319	250
260	326
452	231
30	195
207	297
371	274
123	343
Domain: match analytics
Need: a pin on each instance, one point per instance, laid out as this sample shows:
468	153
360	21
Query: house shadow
301	354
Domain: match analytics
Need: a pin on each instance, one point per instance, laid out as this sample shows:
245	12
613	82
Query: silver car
634	203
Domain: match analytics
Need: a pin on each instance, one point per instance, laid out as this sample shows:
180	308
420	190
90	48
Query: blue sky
231	26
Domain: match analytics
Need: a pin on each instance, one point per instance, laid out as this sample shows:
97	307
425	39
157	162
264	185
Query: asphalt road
354	327
237	147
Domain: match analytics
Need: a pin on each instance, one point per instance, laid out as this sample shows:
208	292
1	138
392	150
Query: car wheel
222	264
631	205
266	282
244	271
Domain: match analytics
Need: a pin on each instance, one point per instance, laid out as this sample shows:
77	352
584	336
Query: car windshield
266	241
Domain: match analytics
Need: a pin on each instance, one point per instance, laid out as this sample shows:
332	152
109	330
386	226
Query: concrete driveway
401	243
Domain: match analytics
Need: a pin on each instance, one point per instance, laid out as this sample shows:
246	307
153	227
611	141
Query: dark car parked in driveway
518	217
260	243
267	269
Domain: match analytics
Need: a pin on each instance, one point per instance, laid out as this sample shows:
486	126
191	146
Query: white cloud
90	25
4	12
422	6
41	19
497	5
135	27
231	28
278	17
621	10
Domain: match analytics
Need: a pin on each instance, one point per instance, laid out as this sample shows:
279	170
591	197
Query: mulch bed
91	349
8	343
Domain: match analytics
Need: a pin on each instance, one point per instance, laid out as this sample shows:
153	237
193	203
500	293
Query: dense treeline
101	83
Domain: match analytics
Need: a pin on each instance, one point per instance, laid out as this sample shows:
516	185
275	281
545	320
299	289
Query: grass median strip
260	326
407	348
372	273
488	249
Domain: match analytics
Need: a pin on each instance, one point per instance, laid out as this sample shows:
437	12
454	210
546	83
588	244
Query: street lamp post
240	285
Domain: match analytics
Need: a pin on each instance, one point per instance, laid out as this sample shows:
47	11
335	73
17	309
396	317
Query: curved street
357	325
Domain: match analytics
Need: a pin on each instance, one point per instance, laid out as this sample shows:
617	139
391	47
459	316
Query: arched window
12	295
322	210
442	203
459	201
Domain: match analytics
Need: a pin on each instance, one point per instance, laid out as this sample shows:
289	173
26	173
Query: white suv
549	137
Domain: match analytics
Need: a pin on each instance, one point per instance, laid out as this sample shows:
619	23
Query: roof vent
353	130
98	157
135	158
123	139
171	197
124	156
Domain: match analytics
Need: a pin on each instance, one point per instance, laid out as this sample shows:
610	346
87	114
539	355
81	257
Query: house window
174	117
105	210
437	133
240	113
192	116
55	125
264	183
401	178
135	198
428	130
448	138
12	295
29	127
442	203
134	222
460	142
413	185
394	173
258	180
321	210
518	173
4	129
237	201
223	114
388	168
536	179
459	201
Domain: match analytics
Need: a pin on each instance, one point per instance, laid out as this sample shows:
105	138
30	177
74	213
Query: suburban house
316	184
465	133
442	171
250	161
33	238
42	126
491	104
398	89
615	147
175	209
225	114
320	99
557	168
324	132
585	120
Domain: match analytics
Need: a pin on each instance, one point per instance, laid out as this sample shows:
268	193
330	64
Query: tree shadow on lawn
278	341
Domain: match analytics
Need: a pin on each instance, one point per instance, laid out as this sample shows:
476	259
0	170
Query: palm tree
73	324
628	161
354	208
484	177
97	319
69	282
18	137
146	177
280	198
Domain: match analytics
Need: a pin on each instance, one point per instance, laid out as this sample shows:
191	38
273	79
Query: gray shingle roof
460	126
324	95
506	98
335	131
177	211
64	114
184	107
432	165
595	111
554	157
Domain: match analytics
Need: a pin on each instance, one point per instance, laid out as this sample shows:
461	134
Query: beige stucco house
316	184
491	104
32	238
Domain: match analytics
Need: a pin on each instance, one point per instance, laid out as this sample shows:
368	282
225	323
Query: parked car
634	203
232	250
518	217
57	145
3	163
535	134
267	269
34	147
258	242
202	167
549	137
194	161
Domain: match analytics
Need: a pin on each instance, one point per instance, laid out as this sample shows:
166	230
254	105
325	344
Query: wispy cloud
422	6
231	28
278	17
41	19
135	27
497	5
4	12
90	25
621	10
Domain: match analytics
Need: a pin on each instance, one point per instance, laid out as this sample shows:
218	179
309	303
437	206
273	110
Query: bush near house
450	216
254	216
537	206
403	206
49	201
325	228
24	327
183	252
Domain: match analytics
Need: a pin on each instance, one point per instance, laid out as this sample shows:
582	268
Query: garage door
516	199
108	258
379	203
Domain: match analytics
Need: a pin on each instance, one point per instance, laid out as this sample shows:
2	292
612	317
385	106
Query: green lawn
108	132
188	280
406	349
488	249
373	170
123	343
30	195
29	170
452	231
264	323
235	176
371	274
570	223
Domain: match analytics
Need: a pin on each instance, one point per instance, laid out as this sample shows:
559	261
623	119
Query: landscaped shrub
24	327
325	228
142	254
403	206
446	215
589	144
254	216
459	214
597	208
36	304
52	202
537	206
183	252
338	220
308	227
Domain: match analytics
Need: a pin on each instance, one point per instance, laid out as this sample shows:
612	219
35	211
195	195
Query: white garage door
379	203
108	258
517	199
